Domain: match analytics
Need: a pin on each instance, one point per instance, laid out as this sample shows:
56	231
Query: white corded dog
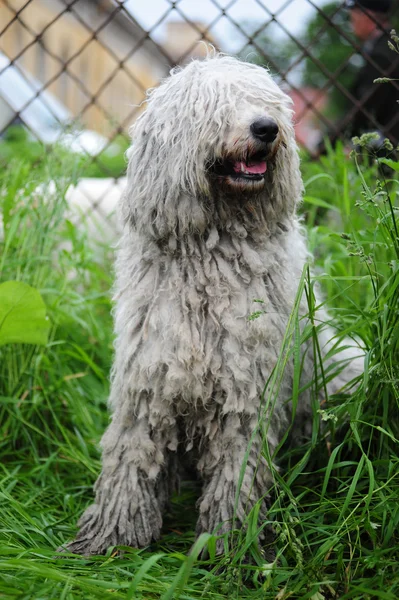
209	226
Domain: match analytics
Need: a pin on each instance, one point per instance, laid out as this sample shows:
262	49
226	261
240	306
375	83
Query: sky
293	14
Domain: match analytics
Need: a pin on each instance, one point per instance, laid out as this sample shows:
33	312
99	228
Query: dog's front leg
130	492
233	481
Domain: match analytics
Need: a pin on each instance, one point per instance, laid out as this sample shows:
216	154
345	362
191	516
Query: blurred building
100	78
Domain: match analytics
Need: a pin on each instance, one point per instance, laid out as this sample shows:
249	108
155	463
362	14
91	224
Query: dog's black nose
265	129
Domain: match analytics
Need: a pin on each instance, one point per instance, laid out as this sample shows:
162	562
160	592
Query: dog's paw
125	523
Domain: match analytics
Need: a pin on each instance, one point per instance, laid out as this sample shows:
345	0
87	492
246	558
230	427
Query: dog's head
218	131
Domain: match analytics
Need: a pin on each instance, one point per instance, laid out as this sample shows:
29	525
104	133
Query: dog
210	226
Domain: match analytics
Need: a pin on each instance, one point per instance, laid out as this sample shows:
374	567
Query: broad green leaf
22	314
319	202
394	164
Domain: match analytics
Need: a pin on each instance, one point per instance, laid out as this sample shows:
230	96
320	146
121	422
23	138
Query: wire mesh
90	62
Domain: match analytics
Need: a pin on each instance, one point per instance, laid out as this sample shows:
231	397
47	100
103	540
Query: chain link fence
85	65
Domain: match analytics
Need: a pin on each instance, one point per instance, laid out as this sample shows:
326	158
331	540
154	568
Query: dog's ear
165	171
147	182
159	198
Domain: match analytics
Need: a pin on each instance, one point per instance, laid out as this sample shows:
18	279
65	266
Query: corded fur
190	368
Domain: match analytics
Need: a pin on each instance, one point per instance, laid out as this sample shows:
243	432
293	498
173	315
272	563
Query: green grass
335	501
111	162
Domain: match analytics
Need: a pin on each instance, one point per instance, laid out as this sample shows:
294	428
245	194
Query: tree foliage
332	55
329	46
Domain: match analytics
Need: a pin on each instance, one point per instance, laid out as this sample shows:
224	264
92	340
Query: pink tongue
255	168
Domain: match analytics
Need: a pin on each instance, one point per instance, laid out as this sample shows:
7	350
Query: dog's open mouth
249	168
